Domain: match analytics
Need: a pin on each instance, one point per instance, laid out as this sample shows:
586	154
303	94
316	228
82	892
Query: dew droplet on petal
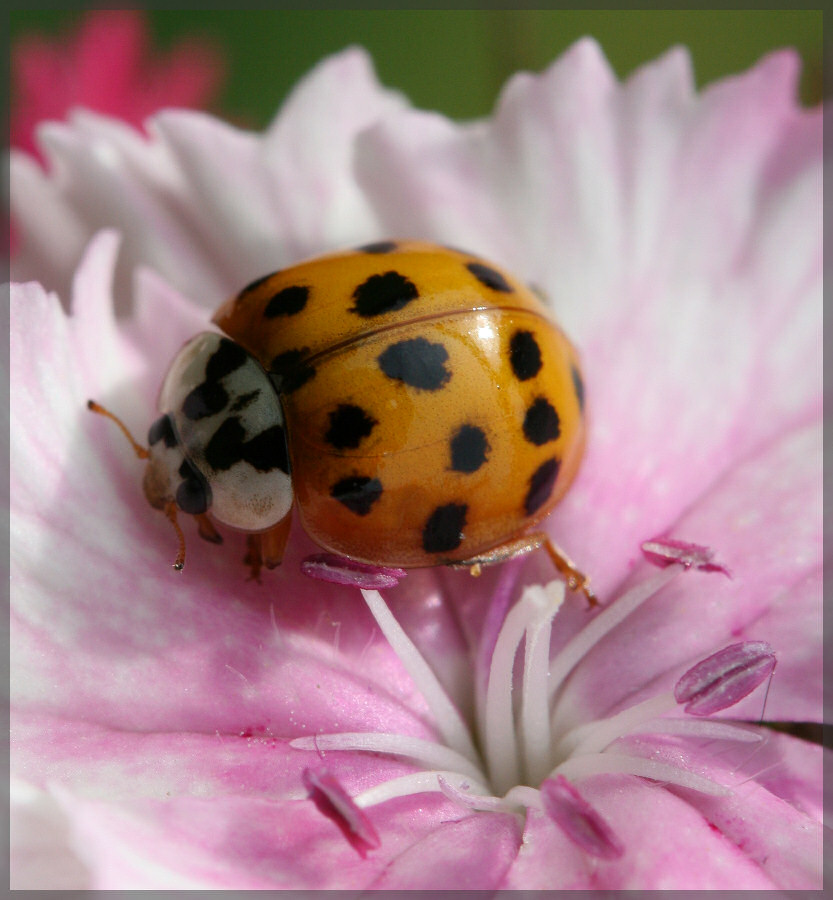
335	803
663	551
578	820
722	679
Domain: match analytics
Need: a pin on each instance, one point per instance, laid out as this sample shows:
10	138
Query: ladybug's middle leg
266	548
207	530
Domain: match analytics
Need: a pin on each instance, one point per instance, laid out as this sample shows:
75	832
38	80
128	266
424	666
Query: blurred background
453	61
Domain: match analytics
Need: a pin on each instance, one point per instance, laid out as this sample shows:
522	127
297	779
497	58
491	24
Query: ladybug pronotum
415	404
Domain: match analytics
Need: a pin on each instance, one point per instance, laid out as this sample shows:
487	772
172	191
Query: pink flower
203	731
106	66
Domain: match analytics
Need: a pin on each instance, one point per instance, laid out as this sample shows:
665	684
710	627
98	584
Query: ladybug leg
273	542
576	580
265	548
254	556
503	552
207	530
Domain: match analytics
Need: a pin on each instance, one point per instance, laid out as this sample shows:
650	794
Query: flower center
530	749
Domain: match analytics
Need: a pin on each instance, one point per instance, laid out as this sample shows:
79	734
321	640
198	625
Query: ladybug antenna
170	512
141	452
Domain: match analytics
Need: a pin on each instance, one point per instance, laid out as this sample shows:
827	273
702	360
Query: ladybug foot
341	570
253	558
576	580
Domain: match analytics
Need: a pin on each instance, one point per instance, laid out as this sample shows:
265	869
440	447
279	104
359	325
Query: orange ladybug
414	403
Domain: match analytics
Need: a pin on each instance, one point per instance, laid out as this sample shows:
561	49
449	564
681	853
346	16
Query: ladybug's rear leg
576	580
265	548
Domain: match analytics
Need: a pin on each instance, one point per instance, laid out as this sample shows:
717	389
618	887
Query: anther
722	679
578	820
329	796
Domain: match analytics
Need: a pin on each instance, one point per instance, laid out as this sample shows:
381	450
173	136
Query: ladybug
414	403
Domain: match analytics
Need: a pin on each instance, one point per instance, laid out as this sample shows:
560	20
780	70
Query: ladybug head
219	445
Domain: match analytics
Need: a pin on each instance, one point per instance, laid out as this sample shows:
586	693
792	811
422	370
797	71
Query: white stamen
604	763
417	783
592	737
495	616
473	801
608	618
515	801
536	736
500	740
704	728
644	717
449	722
426	753
524	796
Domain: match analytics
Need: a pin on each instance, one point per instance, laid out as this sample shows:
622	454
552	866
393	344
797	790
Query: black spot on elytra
265	451
468	449
541	423
245	400
383	294
524	355
444	529
162	430
489	277
289	370
210	397
288	302
578	384
204	400
349	425
358	493
254	285
193	496
378	247
416	362
540	485
224	360
226	445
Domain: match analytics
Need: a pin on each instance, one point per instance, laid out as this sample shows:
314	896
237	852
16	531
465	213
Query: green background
456	60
